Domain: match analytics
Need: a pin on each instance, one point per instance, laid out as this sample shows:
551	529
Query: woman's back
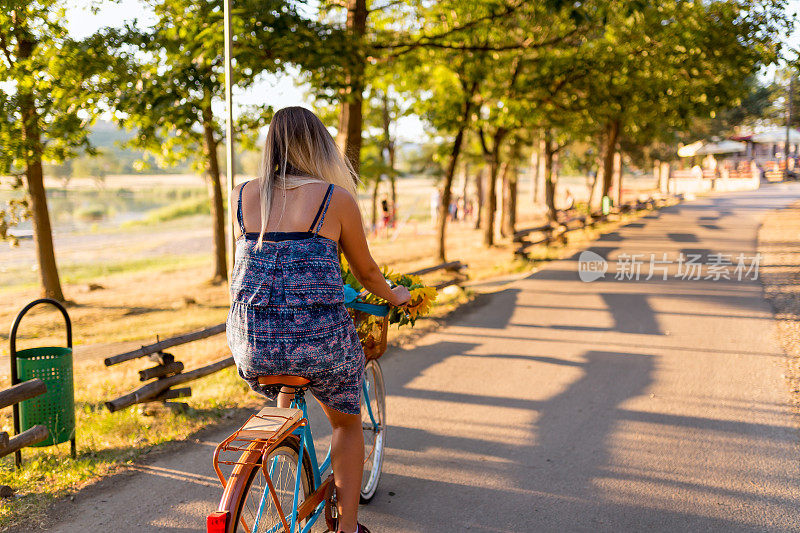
292	210
291	267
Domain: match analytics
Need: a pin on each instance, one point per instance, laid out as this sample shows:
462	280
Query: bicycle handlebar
353	301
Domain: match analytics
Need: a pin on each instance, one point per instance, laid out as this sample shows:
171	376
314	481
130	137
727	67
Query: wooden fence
8	397
167	373
568	221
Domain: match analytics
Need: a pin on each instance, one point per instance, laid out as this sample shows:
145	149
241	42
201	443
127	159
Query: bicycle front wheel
282	468
373	424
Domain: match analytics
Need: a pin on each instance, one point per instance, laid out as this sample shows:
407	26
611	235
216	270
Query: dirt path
779	244
559	405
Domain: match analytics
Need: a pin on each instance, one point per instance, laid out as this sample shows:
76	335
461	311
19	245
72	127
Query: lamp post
788	120
229	153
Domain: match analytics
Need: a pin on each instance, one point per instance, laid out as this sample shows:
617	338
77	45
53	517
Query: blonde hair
299	150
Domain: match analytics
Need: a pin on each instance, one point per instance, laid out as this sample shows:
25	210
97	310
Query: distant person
454	210
468	209
386	214
297	213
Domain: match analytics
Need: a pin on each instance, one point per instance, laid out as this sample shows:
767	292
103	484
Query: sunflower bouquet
371	328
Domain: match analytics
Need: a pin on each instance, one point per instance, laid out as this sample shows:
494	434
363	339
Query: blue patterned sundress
288	317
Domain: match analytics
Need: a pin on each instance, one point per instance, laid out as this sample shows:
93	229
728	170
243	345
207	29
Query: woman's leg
347	459
285	397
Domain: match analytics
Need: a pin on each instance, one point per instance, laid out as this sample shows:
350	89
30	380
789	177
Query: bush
186	208
92	212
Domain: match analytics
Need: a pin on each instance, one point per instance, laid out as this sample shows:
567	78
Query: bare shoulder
234	199
343	202
342	197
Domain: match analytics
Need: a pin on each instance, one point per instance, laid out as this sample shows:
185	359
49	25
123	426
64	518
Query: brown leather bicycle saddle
286	381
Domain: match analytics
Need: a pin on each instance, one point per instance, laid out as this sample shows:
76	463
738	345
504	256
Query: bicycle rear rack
257	437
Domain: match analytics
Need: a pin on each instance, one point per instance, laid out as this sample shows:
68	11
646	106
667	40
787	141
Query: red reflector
217	522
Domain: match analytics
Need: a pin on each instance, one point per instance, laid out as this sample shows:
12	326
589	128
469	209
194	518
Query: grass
16	279
184	208
82	272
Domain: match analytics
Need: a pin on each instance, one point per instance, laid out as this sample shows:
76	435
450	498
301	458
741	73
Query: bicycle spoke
373	425
259	513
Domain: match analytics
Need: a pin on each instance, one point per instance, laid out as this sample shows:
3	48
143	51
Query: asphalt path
553	404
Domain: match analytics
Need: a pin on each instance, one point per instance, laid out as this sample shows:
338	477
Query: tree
658	66
382	109
53	85
469	56
170	92
350	115
529	87
509	177
373	37
448	108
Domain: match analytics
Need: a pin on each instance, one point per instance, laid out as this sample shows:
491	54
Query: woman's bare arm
354	245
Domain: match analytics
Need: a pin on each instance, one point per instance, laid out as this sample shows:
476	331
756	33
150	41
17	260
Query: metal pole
229	127
788	121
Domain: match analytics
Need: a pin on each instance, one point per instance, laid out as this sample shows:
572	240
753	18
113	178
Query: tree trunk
513	185
534	173
375	203
446	195
479	197
465	185
611	138
508	220
664	178
445	198
504	199
597	185
596	192
492	157
350	115
393	185
42	231
215	192
656	172
540	182
491	186
550	177
618	176
390	149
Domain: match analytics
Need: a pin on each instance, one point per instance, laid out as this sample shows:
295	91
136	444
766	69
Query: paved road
559	405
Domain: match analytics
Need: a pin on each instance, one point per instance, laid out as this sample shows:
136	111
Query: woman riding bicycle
287	313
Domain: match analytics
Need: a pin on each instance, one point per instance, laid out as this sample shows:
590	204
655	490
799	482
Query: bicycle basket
372	332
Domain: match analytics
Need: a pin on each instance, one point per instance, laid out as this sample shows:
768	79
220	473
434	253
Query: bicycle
276	444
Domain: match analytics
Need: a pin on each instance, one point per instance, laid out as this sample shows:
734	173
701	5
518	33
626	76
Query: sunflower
422	298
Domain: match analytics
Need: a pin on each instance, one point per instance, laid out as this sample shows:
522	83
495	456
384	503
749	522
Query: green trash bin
606	204
54	409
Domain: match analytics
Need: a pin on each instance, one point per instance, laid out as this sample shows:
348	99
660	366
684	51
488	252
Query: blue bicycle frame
307	447
317	470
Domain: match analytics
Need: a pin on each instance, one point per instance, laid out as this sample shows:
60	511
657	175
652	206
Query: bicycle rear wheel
374	429
282	463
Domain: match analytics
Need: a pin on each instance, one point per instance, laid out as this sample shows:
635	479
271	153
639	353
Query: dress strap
323	208
239	216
